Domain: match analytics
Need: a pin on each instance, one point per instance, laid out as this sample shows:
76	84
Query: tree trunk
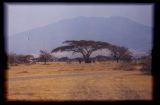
87	59
45	61
117	60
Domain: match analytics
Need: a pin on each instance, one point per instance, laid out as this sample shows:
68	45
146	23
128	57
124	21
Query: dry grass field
62	81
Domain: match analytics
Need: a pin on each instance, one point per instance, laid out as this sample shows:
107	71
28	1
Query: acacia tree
84	47
120	53
45	56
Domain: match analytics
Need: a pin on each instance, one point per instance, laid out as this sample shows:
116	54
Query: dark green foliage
84	47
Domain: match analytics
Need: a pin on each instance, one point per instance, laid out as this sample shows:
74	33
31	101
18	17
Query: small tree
45	56
120	53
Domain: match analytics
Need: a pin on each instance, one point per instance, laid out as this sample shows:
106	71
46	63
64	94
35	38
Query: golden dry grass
57	67
118	85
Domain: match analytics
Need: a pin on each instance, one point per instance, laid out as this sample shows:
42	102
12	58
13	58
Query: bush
14	59
124	65
146	64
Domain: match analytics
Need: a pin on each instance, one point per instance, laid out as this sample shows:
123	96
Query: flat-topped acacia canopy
84	47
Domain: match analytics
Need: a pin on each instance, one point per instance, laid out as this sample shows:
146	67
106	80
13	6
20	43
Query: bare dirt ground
62	81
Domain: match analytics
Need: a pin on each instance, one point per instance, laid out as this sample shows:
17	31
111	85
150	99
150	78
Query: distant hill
116	30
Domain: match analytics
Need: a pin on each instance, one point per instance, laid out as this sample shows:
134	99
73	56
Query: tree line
87	47
83	47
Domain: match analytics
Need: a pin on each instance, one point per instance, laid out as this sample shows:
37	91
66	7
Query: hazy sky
24	17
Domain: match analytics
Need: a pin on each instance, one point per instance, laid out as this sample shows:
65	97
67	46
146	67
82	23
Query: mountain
116	30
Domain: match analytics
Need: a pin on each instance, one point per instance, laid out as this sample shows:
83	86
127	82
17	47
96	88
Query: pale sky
23	17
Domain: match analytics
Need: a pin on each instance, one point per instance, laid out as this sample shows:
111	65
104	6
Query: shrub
146	64
124	65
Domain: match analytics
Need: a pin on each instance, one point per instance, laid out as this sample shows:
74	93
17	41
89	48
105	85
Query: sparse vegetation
45	56
12	59
104	84
84	47
120	53
146	64
99	78
15	59
124	65
87	47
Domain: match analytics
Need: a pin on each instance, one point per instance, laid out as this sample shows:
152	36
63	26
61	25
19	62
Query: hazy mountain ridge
116	30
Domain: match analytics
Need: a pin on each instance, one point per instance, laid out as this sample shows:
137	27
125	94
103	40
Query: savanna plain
60	81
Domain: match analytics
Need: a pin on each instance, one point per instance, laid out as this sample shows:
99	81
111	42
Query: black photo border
155	51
